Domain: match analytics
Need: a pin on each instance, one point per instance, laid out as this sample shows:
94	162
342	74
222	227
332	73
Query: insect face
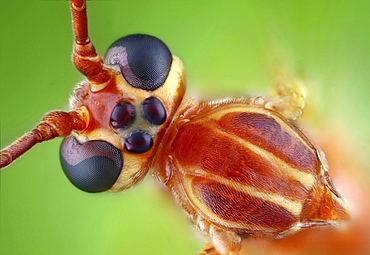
127	116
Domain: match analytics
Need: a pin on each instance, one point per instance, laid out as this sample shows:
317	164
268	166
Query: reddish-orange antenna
85	58
54	124
58	123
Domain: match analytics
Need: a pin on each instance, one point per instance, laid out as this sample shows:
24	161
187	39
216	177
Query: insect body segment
245	169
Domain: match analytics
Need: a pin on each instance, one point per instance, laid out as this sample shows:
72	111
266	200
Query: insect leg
223	242
291	96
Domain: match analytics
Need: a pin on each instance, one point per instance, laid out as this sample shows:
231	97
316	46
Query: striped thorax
246	169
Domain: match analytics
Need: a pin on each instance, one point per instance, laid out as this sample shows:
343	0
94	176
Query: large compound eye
144	60
93	166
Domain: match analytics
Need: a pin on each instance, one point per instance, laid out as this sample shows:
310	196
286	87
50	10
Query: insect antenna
59	123
85	58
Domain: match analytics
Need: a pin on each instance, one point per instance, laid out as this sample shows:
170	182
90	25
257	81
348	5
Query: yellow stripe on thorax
306	179
294	207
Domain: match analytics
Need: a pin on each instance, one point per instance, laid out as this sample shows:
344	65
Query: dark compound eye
123	115
93	166
144	60
154	111
138	142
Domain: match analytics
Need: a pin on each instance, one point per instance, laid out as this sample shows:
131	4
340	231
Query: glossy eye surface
144	60
138	142
154	111
93	166
123	114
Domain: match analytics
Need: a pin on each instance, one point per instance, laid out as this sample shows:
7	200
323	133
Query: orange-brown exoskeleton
238	167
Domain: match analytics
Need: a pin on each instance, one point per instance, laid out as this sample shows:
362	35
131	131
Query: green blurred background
228	48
